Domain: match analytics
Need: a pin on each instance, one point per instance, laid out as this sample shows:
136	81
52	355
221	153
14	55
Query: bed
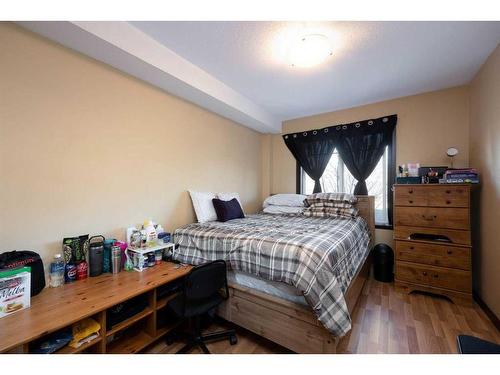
279	259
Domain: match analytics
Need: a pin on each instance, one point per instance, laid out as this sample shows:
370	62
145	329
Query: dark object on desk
408	180
473	345
432	175
16	259
201	294
383	262
96	256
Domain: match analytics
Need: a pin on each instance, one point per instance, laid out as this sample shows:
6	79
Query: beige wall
427	125
485	155
87	149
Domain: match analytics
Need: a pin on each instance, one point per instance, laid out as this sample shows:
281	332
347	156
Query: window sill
384	226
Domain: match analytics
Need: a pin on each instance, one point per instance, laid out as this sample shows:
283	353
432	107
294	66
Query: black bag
16	259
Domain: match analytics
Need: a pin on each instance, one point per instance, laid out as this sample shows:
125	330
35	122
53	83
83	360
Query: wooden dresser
433	237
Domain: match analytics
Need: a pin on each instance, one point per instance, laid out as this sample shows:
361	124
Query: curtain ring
370	122
385	119
344	127
295	136
338	127
286	136
326	130
304	134
357	125
315	132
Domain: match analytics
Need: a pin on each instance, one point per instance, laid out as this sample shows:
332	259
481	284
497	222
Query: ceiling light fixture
310	50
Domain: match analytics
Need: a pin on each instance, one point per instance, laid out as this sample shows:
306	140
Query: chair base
199	340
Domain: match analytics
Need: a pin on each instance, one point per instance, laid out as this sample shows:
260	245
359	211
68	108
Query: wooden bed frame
289	324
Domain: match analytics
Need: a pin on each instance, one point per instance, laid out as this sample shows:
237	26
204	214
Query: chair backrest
205	281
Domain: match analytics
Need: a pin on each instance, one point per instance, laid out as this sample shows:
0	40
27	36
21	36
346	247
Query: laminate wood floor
384	321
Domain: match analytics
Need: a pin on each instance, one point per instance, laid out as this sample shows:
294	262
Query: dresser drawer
432	196
461	237
436	255
433	217
438	277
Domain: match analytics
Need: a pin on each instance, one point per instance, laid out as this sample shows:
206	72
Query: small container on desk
139	256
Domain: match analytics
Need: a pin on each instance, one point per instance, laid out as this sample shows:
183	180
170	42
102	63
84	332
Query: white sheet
274	288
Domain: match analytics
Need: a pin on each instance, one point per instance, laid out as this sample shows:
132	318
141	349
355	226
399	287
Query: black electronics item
425	171
125	310
25	258
383	262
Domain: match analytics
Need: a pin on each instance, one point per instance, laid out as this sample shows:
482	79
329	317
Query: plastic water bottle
56	274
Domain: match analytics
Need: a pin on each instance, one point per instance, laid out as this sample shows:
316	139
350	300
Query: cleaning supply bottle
151	235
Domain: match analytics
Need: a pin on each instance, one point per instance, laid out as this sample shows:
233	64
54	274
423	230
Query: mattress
273	288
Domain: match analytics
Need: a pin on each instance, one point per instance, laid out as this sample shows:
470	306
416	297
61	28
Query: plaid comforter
318	256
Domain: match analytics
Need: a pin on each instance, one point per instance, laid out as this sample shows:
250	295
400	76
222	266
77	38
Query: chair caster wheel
233	340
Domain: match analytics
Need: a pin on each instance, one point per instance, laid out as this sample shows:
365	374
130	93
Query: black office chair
201	294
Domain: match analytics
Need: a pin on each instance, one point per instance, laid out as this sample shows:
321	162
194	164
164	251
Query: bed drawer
436	255
438	277
432	196
433	217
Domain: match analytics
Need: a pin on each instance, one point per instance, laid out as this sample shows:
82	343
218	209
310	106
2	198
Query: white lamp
310	50
451	152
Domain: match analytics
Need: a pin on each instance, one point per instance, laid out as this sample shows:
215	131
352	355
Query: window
337	178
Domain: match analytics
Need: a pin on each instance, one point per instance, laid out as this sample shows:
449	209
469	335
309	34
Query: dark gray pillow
227	210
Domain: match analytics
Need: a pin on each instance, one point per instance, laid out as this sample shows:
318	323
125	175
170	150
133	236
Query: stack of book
461	176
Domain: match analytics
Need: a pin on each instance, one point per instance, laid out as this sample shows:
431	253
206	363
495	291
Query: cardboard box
15	287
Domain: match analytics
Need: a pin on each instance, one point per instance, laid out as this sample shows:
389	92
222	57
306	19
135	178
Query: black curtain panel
362	144
312	150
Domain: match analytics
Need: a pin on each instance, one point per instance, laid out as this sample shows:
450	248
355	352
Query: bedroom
106	124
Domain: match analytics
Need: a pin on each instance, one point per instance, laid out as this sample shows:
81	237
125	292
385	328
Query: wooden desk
57	308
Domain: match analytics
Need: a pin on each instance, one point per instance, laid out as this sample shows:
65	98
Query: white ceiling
237	69
372	61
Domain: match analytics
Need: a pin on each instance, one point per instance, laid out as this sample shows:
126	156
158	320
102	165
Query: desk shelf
128	322
162	302
69	350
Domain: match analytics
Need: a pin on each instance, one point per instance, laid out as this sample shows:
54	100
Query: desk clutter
22	274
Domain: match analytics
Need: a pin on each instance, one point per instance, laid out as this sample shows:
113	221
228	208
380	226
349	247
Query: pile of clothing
314	205
331	205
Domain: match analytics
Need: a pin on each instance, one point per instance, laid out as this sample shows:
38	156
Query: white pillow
292	200
283	210
203	206
229	196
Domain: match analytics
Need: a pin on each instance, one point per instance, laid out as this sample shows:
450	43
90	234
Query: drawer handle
429	218
448	202
436	276
448	191
424	273
410	201
410	191
411	248
449	252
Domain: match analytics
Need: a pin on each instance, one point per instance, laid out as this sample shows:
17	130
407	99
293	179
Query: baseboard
494	319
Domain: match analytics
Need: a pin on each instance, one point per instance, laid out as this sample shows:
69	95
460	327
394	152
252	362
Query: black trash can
383	262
